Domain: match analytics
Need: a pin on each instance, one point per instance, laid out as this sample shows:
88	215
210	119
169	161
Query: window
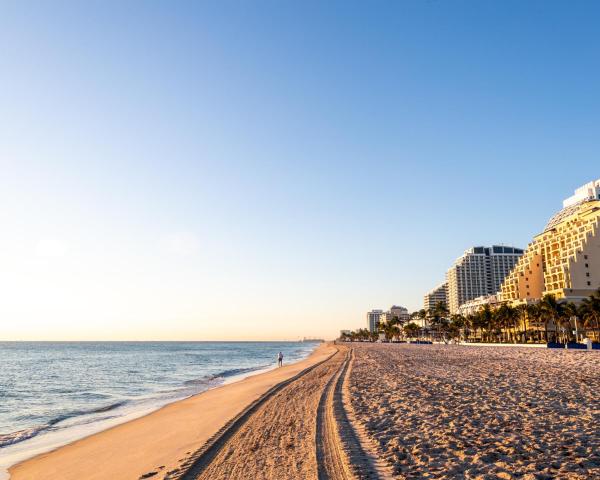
585	257
587	274
589	283
587	265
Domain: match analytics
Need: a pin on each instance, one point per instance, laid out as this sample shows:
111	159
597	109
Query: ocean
52	393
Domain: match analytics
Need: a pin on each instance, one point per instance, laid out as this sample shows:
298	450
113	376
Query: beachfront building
563	260
435	296
419	321
373	319
589	191
395	311
480	271
344	334
471	307
401	313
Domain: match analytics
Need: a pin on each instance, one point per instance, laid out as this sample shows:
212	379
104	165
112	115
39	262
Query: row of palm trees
548	320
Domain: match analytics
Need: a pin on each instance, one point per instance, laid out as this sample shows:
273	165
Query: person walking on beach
280	359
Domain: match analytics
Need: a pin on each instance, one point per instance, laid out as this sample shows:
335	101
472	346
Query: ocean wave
107	408
7	439
77	389
199	381
94	395
239	371
209	379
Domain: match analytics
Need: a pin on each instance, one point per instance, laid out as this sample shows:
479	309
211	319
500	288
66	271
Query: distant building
395	311
433	297
400	312
373	318
478	272
420	322
563	260
473	306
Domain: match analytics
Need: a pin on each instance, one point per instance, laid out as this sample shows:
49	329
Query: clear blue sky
224	169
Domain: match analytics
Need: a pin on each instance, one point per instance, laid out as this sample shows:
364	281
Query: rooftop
586	193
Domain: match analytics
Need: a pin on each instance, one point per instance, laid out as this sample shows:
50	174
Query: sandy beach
160	441
480	412
365	411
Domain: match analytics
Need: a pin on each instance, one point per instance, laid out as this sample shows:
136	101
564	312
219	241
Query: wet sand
278	440
159	442
426	411
480	412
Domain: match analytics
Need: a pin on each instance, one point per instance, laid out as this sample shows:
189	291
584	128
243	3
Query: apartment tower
433	297
479	271
373	318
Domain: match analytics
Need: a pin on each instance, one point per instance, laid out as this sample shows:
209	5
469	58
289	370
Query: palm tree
571	312
508	317
535	314
590	313
552	311
521	313
467	326
363	334
500	322
396	331
396	320
438	316
387	329
485	321
456	326
420	315
411	330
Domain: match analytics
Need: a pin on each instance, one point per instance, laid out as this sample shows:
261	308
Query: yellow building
563	260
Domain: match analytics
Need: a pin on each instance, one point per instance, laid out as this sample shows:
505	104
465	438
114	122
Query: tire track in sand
332	461
297	429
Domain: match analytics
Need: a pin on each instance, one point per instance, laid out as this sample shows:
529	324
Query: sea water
52	393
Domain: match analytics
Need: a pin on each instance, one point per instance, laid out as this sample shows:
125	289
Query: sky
228	170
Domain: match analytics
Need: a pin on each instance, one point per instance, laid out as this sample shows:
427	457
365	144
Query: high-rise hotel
563	260
479	271
435	296
373	319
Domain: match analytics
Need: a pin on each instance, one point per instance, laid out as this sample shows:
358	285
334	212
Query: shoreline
20	452
165	434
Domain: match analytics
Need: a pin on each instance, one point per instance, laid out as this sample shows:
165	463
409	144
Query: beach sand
416	411
278	441
160	441
480	412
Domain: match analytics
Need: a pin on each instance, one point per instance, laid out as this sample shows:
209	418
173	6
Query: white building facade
400	312
585	193
433	297
373	318
471	307
479	272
